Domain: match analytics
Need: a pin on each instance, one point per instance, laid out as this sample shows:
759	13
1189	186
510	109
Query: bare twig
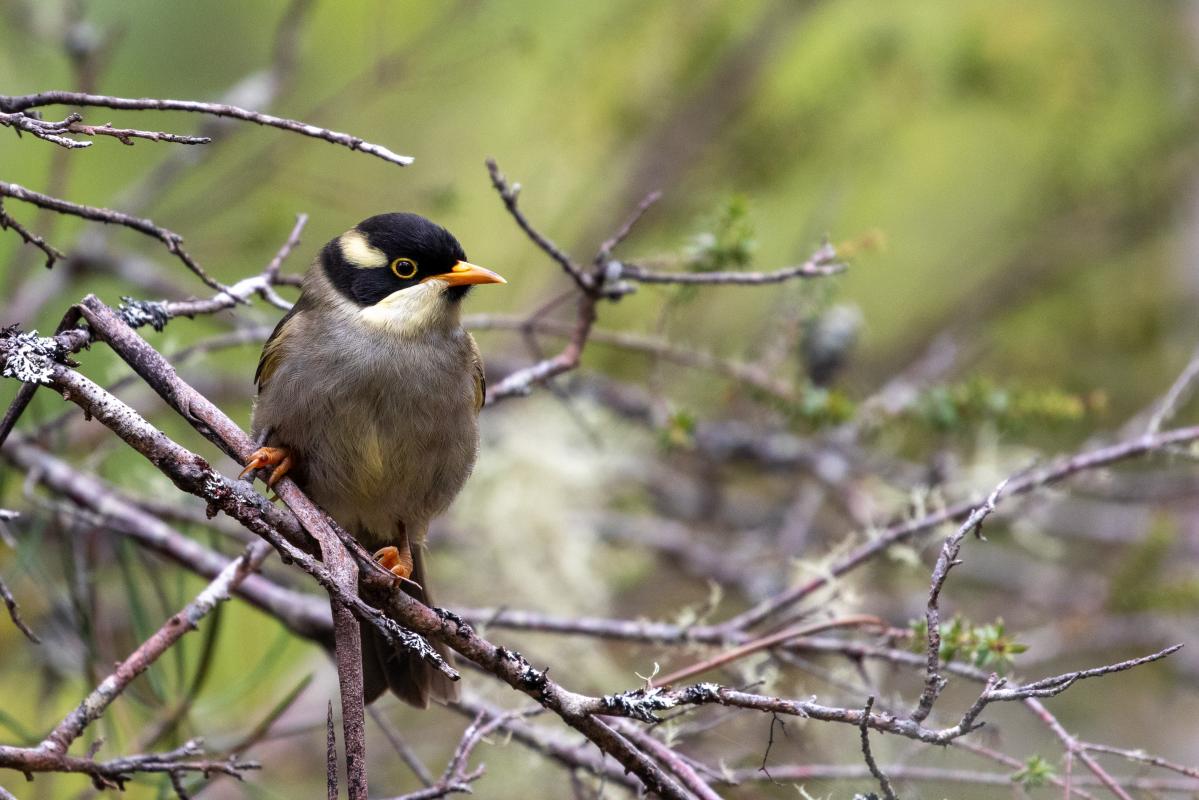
520	382
822	264
741	372
115	772
24	102
8	223
59	740
1024	483
947	560
1183	385
1072	746
796	773
508	193
271	273
53	131
172	240
1142	757
330	754
622	233
402	748
14	613
871	764
765	643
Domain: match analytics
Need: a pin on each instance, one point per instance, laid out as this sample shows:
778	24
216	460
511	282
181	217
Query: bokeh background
1014	183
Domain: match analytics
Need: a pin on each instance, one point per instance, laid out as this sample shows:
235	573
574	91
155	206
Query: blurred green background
1015	177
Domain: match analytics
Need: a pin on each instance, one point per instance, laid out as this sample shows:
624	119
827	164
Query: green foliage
726	242
1035	772
818	407
962	406
988	646
679	430
1140	584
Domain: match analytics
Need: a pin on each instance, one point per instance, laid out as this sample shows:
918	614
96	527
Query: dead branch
53	131
12	104
172	240
9	224
883	782
947	560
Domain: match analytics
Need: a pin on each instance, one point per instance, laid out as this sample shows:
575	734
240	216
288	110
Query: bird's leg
396	560
278	457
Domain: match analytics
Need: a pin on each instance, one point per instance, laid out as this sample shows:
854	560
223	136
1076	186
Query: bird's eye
403	268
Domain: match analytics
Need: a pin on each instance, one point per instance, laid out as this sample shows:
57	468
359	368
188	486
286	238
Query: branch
194	475
8	223
172	240
738	371
1141	757
114	773
906	772
823	263
871	764
947	560
59	740
23	102
14	613
508	193
1073	748
53	131
1018	485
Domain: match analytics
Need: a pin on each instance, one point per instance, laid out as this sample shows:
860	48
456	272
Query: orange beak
464	273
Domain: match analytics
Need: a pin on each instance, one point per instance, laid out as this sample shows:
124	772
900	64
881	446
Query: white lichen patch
30	358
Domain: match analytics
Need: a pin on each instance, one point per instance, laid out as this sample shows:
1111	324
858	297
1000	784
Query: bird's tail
409	676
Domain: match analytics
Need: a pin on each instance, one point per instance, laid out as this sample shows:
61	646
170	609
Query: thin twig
508	193
765	643
8	223
622	233
901	531
59	740
402	748
53	131
1072	746
823	263
1183	385
330	754
172	240
871	764
14	613
24	102
1141	757
934	683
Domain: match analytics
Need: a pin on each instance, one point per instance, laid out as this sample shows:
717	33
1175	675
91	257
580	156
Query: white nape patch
359	252
413	311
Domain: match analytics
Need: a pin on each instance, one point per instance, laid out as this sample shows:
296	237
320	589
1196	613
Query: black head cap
389	252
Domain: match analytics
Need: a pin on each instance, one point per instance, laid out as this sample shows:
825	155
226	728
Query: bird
369	391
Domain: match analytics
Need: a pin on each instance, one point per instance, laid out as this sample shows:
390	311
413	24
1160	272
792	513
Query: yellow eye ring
403	268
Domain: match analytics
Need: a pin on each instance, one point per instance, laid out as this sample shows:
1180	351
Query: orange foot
278	457
397	562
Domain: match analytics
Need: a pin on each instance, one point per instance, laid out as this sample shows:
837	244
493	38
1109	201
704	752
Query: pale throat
418	310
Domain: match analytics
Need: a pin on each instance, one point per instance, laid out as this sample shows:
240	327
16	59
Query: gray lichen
137	313
28	357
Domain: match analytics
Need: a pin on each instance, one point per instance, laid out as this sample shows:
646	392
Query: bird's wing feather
476	361
268	362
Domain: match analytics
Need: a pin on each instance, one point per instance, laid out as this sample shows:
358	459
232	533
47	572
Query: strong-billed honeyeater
369	392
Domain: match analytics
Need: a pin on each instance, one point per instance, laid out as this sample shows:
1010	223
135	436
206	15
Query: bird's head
402	270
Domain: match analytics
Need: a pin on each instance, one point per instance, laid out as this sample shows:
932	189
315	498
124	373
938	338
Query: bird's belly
373	456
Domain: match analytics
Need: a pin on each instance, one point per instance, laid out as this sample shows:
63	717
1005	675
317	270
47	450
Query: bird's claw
397	562
278	457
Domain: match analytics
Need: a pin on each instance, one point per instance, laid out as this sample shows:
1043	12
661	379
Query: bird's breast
388	429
